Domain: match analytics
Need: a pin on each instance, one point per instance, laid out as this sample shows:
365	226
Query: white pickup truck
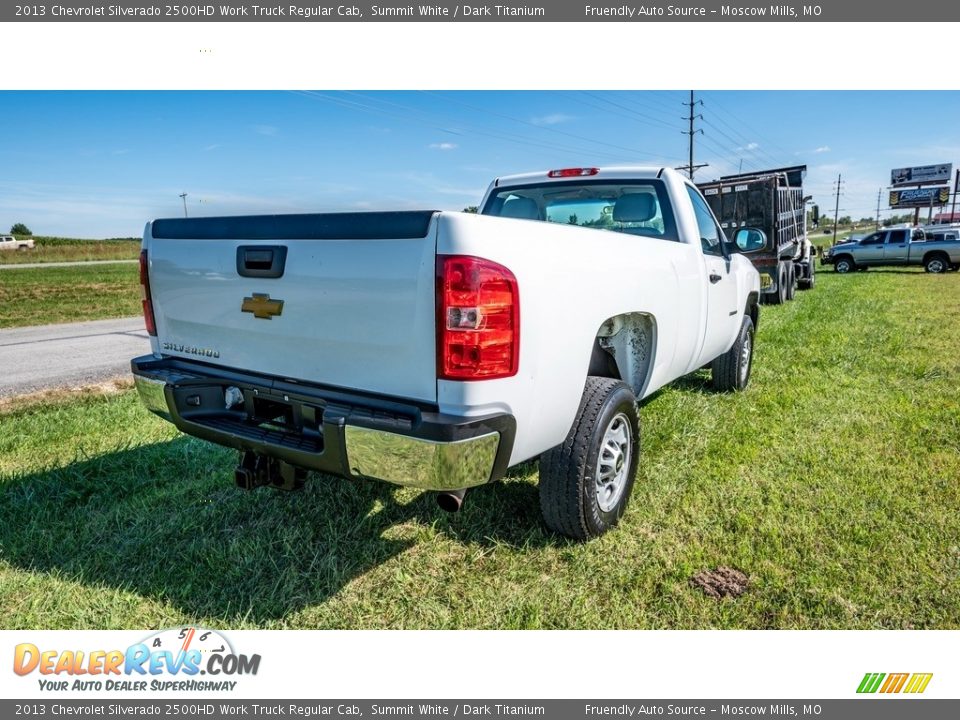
10	242
437	349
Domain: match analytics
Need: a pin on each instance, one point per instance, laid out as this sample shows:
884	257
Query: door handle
714	278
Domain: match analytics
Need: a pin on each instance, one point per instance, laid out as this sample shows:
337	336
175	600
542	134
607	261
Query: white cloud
551	119
748	147
214	146
822	149
269	130
443	146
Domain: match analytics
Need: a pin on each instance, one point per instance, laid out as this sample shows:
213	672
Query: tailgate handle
261	261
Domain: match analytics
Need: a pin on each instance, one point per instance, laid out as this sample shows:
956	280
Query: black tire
936	263
731	371
844	264
780	296
791	281
570	487
810	282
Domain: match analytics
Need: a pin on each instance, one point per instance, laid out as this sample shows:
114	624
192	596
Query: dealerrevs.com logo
168	660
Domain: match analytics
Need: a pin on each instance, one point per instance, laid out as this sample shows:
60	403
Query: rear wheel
808	283
731	371
585	482
936	264
791	281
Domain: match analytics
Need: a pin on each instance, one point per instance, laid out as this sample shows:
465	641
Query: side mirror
750	240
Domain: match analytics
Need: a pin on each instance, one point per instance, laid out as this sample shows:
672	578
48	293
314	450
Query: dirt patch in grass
64	395
721	582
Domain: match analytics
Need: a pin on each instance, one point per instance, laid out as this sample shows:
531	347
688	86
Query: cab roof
616	172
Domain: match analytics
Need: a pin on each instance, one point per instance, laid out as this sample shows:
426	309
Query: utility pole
183	196
953	207
836	209
877	226
690	167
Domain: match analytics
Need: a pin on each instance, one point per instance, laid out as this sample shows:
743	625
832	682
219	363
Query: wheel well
844	256
753	309
934	254
623	349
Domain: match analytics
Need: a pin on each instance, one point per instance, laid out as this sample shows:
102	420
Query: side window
875	239
897	236
710	235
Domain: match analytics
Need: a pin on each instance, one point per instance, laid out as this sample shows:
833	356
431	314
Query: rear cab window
635	207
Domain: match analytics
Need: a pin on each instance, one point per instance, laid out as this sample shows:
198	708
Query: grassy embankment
39	296
54	249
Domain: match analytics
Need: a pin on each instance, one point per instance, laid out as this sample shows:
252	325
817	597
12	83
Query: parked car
437	349
9	242
896	246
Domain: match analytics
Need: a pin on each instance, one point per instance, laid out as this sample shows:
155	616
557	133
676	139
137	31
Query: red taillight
573	172
145	294
478	319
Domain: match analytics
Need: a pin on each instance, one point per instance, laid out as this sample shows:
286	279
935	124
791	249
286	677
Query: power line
629	110
424	119
542	127
785	153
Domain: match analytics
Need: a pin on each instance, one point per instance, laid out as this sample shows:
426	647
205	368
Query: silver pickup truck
896	246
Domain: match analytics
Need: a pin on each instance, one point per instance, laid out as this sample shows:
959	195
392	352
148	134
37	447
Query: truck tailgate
357	293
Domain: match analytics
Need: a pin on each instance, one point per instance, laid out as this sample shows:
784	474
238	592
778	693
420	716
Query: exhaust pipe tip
451	500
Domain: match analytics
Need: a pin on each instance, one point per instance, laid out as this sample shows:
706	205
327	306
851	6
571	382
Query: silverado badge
262	306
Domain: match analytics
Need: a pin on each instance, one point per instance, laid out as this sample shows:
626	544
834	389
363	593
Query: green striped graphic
870	682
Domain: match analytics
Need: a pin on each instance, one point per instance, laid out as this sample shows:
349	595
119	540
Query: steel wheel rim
745	353
613	462
935	266
843	266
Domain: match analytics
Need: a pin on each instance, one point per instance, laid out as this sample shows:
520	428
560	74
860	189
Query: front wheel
585	482
844	265
731	371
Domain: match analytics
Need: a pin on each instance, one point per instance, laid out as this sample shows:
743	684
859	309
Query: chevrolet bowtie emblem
262	306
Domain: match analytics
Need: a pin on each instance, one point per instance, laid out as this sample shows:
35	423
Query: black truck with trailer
773	201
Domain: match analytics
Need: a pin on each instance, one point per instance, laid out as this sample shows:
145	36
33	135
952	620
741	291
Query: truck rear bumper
327	430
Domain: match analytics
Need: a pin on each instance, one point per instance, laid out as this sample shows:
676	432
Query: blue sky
99	164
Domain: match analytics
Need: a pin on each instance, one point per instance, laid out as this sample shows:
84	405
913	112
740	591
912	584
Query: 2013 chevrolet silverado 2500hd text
436	349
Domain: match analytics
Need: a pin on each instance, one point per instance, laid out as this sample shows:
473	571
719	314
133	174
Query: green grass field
832	483
38	296
54	249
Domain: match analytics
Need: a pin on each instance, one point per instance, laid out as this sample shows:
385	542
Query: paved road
15	266
69	355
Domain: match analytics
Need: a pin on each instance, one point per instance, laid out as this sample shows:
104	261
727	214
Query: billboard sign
919	197
921	175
